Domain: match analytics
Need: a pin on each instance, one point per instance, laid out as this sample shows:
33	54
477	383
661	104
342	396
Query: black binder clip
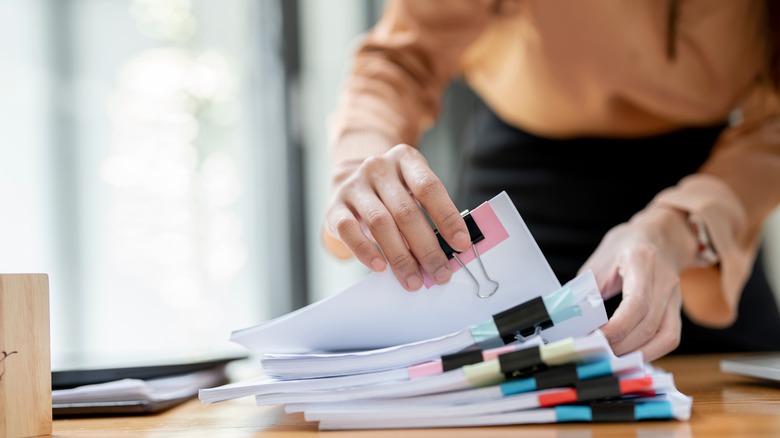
476	236
523	321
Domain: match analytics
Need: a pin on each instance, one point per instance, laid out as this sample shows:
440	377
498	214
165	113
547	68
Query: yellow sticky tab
484	373
559	352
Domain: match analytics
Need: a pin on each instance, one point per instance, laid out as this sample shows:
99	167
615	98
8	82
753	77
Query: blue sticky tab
518	386
486	335
653	410
568	414
594	369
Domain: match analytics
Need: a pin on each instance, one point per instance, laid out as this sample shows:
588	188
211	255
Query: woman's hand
644	258
378	205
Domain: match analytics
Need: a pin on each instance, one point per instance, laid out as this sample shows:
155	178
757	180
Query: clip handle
474	233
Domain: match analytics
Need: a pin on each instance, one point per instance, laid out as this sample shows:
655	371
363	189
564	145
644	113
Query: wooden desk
724	406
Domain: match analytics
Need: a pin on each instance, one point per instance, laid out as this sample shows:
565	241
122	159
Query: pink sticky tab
431	368
495	352
493	231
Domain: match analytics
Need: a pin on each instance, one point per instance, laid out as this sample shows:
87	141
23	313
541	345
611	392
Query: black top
571	192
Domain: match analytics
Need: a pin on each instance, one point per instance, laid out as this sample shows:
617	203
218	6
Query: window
141	142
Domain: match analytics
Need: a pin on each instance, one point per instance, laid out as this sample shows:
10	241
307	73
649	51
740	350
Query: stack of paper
376	356
618	389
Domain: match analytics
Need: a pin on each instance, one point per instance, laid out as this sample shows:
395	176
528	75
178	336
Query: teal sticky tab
568	414
653	410
518	386
594	369
560	298
560	305
565	313
486	334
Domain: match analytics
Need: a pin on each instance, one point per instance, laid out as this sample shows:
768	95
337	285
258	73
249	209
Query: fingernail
461	241
378	264
442	275
413	282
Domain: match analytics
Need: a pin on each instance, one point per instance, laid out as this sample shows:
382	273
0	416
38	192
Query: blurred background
165	161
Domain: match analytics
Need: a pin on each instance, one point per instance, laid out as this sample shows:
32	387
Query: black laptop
77	369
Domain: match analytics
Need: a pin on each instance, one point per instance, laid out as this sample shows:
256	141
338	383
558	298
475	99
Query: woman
637	139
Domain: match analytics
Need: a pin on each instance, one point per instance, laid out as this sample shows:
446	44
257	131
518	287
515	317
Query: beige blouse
563	68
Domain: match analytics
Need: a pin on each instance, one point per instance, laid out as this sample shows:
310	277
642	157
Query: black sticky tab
521	363
612	411
598	388
557	376
522	319
474	232
454	361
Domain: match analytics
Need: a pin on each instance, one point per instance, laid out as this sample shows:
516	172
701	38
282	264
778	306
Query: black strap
454	361
557	376
474	232
521	363
598	388
522	319
610	411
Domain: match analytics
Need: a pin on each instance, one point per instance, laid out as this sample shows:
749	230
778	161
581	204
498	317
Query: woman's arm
734	194
652	259
379	185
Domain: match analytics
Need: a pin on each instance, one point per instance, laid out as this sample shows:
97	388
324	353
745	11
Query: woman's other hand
643	258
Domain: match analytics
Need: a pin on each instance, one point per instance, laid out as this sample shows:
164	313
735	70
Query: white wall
180	250
167	253
27	217
329	32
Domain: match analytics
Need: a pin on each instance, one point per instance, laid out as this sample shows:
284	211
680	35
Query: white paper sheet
376	312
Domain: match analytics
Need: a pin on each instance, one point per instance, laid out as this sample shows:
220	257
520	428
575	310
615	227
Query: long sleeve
564	69
399	73
733	193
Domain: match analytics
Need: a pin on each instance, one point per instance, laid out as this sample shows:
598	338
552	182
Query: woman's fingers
388	196
638	318
648	283
420	188
602	263
668	336
346	226
383	228
428	189
413	225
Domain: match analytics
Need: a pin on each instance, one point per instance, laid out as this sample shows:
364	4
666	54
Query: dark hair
770	30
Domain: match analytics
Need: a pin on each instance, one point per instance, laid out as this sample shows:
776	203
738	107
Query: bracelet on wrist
706	254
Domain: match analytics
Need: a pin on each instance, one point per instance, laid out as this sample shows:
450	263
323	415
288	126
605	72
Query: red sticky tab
558	397
641	384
